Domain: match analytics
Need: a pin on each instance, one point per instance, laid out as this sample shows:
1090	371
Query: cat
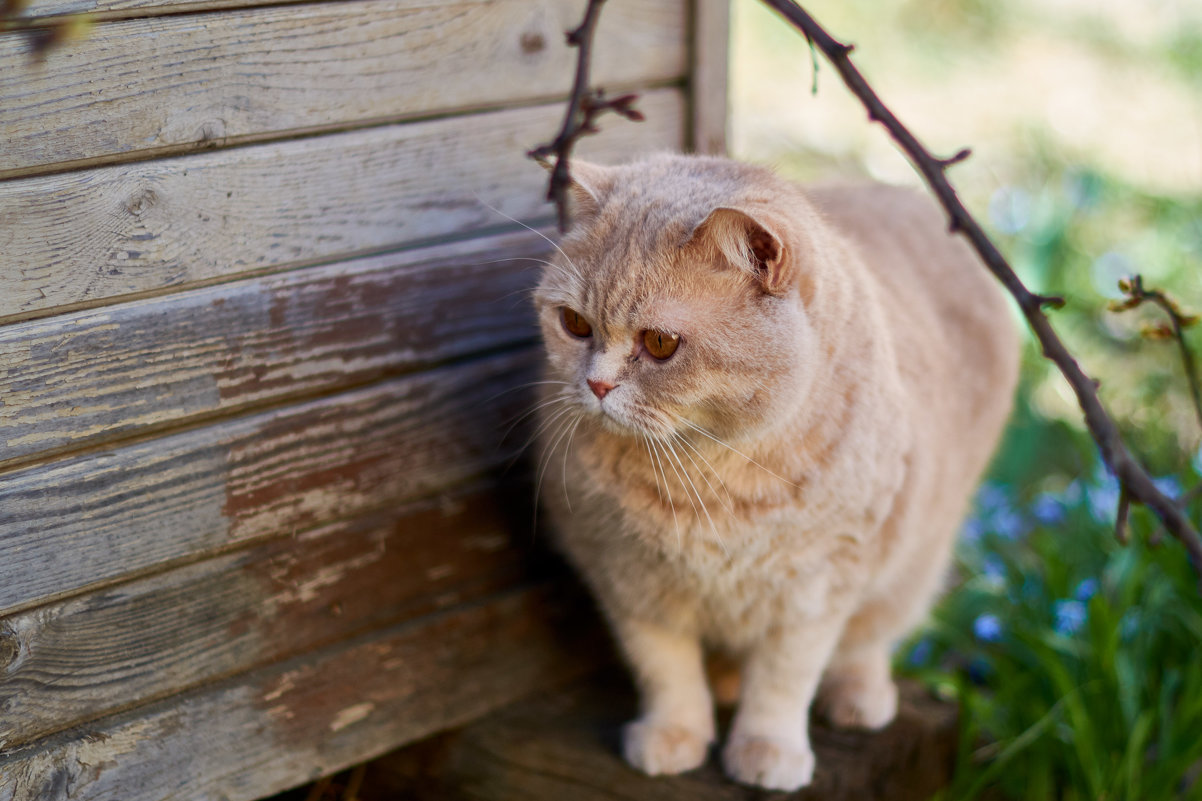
764	410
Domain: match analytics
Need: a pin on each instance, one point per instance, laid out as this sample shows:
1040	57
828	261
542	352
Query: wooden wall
262	325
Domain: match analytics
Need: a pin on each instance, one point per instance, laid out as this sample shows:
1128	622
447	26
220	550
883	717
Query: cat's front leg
676	727
769	743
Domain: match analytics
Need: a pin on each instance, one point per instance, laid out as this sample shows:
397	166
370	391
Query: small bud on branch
584	107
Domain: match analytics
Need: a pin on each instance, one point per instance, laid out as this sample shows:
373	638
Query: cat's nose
600	388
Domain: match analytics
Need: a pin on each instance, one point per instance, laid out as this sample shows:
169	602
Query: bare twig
1135	482
1136	294
584	107
1120	517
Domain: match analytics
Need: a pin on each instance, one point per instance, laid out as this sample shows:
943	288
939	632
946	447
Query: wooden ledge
564	745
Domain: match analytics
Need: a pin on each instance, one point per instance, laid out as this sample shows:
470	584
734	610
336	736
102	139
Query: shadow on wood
565	745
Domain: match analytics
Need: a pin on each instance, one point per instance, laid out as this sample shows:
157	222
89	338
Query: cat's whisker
523	295
667	488
713	526
732	449
669	454
651	461
515	258
550	419
729	505
575	269
545	461
527	385
563	398
567	449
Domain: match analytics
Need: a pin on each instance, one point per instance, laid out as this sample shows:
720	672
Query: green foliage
1074	231
1075	658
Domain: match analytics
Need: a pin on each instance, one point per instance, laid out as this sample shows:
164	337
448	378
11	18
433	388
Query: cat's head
679	298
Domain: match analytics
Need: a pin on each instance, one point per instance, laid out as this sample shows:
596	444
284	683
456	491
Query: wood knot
533	42
141	201
9	650
212	133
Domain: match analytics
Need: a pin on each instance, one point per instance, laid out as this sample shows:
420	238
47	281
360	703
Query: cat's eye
574	324
660	344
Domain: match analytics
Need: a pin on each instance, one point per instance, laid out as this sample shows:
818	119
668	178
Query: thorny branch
584	107
1133	288
1135	483
1136	294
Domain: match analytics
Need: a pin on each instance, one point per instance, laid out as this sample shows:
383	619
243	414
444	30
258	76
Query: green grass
1078	660
1075	659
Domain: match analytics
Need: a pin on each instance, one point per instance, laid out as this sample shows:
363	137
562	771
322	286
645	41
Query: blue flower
920	653
979	671
994	570
1072	493
987	628
1010	209
993	566
1069	616
991	497
1103	500
1169	485
971	530
997	514
1087	589
1048	509
1130	624
1008	523
1106	271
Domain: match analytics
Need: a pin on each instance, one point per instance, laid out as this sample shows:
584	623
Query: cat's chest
775	572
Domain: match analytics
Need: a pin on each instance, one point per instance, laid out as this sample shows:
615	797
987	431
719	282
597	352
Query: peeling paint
351	715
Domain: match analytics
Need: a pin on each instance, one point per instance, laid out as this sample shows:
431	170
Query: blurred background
1078	660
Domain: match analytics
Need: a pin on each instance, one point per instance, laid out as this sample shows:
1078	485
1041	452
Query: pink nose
600	388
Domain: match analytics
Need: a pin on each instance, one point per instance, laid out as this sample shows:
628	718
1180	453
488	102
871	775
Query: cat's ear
748	242
589	184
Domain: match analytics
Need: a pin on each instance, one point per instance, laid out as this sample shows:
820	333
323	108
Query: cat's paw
768	762
860	705
657	748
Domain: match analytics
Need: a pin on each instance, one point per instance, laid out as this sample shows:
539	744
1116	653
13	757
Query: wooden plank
262	732
87	237
159	86
92	655
708	76
95	518
565	745
82	378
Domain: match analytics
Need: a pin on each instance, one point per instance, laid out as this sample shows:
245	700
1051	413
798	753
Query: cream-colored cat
765	410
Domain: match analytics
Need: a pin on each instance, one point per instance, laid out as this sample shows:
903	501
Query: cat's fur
845	369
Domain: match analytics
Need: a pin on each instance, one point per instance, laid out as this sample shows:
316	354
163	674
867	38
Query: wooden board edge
496	258
708	86
312	131
275	728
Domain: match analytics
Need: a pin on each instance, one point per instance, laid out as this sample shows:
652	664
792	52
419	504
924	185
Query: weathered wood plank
259	733
87	237
708	75
159	86
86	657
97	517
566	745
81	378
120	9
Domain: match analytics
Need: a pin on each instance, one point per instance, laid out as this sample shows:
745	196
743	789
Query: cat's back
950	321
